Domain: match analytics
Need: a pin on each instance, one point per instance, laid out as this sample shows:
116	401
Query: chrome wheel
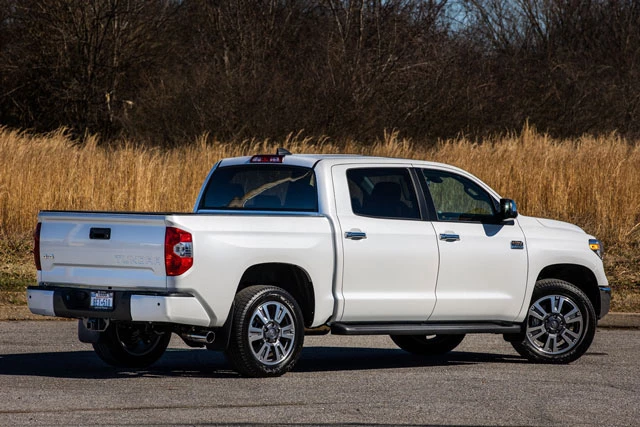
267	332
271	333
554	324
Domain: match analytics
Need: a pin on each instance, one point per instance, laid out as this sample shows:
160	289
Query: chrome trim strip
517	244
449	237
355	235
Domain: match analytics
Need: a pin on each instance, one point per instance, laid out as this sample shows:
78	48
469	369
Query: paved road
47	377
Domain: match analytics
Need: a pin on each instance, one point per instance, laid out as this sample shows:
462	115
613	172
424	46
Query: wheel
560	324
428	345
129	345
267	332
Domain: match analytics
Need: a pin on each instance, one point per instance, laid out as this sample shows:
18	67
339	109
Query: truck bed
125	252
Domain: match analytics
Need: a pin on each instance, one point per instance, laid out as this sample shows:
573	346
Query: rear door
390	253
103	250
483	260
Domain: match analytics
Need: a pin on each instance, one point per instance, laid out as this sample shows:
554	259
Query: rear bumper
127	306
605	301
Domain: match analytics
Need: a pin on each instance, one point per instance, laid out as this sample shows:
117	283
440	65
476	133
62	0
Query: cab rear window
262	187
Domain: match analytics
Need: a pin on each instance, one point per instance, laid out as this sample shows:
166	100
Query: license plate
102	300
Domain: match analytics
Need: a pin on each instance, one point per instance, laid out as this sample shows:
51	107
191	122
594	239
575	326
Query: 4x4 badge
517	244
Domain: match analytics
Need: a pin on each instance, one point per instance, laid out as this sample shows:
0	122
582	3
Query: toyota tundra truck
279	246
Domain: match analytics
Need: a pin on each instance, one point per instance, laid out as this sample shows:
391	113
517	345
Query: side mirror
508	209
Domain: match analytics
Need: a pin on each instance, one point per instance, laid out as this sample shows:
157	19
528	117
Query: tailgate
103	250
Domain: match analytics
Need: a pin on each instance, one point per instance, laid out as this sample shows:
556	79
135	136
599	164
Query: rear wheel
428	345
560	324
267	332
129	345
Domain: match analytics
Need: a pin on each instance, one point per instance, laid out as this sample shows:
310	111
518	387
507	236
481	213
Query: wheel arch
577	275
292	278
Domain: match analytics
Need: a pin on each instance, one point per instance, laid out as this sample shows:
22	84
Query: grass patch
621	266
16	266
591	182
13	298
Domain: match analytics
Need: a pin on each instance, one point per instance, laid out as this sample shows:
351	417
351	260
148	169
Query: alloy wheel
271	333
554	324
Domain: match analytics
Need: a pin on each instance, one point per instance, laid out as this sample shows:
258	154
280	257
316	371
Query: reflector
36	246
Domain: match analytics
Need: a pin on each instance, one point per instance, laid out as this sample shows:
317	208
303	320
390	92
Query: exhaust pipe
207	338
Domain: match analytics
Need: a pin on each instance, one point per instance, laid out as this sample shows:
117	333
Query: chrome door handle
449	237
355	235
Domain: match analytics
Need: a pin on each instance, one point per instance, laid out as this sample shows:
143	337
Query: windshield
262	187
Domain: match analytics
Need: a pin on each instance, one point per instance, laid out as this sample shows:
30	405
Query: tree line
165	71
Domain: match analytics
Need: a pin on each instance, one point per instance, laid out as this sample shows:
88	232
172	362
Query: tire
560	324
427	345
129	345
267	332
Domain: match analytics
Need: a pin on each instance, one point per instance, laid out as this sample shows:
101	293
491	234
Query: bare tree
79	58
167	70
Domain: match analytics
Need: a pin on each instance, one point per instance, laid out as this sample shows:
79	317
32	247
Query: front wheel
267	332
130	345
560	324
427	345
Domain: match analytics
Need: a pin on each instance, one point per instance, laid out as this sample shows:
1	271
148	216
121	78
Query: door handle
355	235
449	237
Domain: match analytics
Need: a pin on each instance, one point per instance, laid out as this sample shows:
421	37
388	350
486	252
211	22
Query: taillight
178	251
36	246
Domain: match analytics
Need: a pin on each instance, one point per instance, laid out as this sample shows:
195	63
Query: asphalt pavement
47	377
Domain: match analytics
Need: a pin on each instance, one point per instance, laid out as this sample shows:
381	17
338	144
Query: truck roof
310	160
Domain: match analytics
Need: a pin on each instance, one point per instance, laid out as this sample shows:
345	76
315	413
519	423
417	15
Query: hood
552	223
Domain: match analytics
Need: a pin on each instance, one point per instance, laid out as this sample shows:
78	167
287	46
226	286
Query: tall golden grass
592	182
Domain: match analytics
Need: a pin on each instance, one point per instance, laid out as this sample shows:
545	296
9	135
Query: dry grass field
593	182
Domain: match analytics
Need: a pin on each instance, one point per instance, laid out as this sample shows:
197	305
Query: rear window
262	187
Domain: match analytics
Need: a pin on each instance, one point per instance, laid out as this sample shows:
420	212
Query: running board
424	328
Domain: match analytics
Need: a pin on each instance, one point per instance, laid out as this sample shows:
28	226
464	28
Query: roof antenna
282	152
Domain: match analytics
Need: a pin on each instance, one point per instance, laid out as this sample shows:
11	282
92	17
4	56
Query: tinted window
457	198
383	192
262	187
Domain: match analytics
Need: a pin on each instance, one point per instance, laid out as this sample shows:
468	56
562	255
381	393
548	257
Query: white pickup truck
283	245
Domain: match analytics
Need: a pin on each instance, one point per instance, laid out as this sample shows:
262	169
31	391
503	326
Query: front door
483	260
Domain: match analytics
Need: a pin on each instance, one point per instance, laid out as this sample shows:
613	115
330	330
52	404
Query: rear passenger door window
383	193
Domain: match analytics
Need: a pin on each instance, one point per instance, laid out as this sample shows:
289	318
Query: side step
424	328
